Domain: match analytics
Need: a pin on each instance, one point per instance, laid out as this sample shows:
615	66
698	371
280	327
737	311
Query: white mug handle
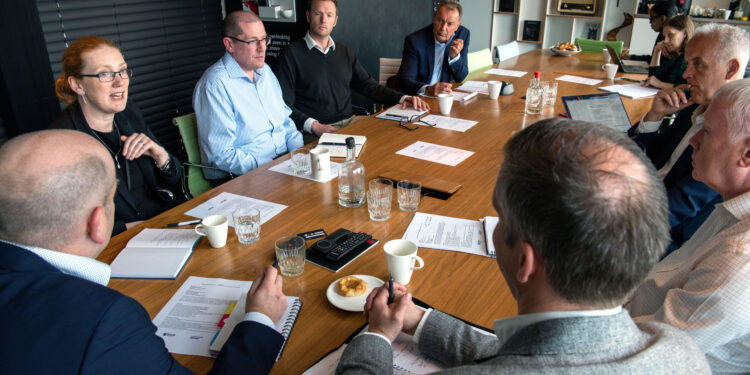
199	228
417	259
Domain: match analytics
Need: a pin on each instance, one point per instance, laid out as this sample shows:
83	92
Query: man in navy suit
435	55
717	54
56	314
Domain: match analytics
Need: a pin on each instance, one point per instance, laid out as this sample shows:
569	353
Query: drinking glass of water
247	224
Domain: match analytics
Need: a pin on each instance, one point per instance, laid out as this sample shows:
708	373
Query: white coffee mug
493	87
215	228
401	258
320	163
446	102
611	70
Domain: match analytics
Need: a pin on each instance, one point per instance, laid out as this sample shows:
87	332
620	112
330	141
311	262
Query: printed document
188	322
435	153
449	123
474	86
581	80
458	96
285	167
506	72
632	90
226	203
447	233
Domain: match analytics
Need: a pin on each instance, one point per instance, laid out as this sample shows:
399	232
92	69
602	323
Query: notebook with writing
604	109
283	326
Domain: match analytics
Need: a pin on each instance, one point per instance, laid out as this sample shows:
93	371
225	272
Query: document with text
474	86
435	153
448	233
285	167
226	203
632	90
581	80
188	322
450	123
506	72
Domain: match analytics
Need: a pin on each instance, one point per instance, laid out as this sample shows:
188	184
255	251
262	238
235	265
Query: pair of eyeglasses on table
411	122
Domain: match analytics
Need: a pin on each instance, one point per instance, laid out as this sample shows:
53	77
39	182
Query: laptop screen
605	109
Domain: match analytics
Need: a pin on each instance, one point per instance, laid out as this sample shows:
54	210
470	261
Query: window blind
168	44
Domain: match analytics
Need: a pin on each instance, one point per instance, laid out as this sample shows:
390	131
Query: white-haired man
702	288
716	54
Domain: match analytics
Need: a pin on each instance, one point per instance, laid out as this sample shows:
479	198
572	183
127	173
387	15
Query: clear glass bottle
534	95
351	178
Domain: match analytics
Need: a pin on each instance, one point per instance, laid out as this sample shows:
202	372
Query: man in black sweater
316	76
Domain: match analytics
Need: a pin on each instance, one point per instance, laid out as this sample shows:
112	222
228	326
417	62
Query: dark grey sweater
318	86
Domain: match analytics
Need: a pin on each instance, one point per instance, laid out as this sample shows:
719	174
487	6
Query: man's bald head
231	24
51	181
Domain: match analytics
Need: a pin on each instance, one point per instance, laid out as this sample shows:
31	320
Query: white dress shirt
652	126
437	67
703	288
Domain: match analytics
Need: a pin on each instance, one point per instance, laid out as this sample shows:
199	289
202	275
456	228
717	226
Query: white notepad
155	254
336	144
283	326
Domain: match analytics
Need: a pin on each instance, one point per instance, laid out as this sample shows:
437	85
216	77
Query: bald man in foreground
56	314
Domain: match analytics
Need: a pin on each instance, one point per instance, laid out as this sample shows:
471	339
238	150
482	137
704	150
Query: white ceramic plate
352	303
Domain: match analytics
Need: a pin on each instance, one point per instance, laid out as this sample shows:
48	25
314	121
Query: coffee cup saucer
352	303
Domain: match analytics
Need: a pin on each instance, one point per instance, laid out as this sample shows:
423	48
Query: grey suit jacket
585	345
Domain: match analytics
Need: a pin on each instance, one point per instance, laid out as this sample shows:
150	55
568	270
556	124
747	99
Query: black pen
390	288
191	222
275	261
332	143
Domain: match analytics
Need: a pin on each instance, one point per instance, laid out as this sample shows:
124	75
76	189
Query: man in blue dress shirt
436	54
243	121
57	315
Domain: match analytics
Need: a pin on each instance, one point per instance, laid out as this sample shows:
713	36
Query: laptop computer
604	109
628	66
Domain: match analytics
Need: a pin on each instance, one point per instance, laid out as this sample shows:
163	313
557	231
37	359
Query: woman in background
94	82
668	60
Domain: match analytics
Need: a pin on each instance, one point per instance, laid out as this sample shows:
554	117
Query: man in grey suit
583	219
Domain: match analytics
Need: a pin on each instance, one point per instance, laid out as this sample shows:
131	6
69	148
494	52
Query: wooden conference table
468	286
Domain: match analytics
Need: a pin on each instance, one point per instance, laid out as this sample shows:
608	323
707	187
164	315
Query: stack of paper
632	90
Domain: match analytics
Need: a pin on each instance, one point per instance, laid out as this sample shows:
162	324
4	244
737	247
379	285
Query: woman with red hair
94	82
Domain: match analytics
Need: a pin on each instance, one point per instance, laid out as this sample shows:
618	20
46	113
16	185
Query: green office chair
596	46
193	182
479	59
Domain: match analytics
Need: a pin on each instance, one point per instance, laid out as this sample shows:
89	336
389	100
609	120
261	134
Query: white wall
477	17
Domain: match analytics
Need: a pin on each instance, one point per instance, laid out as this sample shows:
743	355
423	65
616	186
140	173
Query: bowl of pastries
565	49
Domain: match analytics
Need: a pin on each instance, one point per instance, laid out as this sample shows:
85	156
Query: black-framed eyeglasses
110	76
253	42
408	125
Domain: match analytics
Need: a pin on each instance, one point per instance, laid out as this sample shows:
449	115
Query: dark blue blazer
52	323
418	60
690	201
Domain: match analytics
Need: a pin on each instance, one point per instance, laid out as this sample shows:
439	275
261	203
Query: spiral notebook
283	326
